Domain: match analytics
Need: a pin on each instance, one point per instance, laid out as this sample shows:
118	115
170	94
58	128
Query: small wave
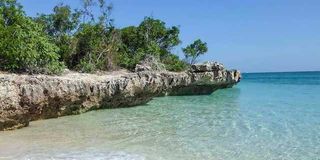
83	155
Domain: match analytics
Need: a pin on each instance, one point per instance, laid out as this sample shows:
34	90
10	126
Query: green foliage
194	50
61	21
83	41
153	31
97	41
23	45
173	63
151	37
86	46
92	48
60	26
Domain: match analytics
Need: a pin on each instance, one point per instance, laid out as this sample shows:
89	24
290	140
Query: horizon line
280	71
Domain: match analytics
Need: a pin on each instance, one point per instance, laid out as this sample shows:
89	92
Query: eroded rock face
141	68
24	98
207	67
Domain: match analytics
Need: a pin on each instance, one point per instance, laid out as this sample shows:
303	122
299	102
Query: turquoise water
268	116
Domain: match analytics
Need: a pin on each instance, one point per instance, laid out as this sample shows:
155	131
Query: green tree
154	32
62	21
23	45
97	41
86	45
96	47
151	37
60	26
194	50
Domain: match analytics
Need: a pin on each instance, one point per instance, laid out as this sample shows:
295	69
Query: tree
23	45
95	48
151	37
60	26
62	21
105	11
194	50
86	45
86	10
97	41
154	32
43	43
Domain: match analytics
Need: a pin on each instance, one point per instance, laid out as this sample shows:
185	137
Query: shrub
23	45
87	46
151	37
95	48
60	26
44	44
173	63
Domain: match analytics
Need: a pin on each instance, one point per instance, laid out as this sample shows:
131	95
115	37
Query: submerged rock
24	98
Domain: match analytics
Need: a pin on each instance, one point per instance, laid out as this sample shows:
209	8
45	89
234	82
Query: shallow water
269	116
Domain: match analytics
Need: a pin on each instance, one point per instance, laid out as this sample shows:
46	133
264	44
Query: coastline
25	98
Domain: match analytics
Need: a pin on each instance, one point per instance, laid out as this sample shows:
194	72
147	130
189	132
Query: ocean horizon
279	72
159	80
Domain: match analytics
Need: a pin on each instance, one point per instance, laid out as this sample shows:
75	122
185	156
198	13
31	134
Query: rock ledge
24	98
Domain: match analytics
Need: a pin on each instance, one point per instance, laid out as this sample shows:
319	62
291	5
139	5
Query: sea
267	116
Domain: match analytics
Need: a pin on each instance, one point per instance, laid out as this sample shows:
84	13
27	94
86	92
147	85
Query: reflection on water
252	121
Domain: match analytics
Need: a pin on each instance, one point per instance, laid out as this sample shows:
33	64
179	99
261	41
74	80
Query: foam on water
89	155
267	116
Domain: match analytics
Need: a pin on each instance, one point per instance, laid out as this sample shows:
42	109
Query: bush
150	38
86	46
23	45
44	44
95	48
60	26
129	60
173	63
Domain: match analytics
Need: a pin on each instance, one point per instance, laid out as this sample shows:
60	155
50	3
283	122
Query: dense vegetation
23	45
86	42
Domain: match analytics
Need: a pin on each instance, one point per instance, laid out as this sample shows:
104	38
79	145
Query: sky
249	35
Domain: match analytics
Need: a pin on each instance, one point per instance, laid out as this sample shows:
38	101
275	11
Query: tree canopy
23	44
194	50
84	41
151	37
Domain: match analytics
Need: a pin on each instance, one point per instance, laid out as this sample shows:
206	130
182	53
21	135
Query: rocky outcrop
24	98
207	67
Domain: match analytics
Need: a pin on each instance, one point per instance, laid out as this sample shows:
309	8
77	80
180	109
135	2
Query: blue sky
250	35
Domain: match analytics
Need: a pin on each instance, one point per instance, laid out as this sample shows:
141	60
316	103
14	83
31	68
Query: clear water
269	116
